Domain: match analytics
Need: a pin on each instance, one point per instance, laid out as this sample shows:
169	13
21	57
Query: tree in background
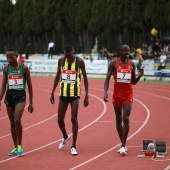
79	22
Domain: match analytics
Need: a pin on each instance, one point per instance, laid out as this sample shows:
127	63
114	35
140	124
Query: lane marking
109	150
105	121
24	108
153	95
7	116
166	98
3	117
167	168
32	125
44	146
80	130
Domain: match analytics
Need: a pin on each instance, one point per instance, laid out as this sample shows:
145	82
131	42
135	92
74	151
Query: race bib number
15	81
123	75
68	76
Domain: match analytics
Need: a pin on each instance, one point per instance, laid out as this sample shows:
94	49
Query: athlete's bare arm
110	72
134	78
56	80
3	86
83	70
30	89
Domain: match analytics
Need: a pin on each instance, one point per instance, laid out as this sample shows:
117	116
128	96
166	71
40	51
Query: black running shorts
68	99
14	97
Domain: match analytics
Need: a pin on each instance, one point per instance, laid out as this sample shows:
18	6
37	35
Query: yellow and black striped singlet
70	79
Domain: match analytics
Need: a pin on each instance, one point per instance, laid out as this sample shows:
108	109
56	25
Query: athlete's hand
52	99
30	108
106	97
86	101
141	71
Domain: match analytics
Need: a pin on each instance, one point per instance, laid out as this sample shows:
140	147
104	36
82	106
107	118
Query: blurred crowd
148	51
154	50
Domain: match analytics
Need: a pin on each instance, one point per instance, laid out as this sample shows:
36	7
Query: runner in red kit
123	92
123	71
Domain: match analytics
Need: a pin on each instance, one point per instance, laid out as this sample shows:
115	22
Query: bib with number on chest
68	76
123	75
15	81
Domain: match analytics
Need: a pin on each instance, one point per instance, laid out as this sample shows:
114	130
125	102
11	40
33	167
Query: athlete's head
69	51
13	51
124	51
11	55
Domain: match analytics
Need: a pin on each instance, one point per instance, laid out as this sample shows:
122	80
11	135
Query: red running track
98	141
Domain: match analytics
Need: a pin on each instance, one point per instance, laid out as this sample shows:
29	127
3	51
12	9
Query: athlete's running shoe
73	151
13	152
118	151
123	151
20	150
63	142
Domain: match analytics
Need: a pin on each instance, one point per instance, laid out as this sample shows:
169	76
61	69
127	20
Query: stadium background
80	22
37	22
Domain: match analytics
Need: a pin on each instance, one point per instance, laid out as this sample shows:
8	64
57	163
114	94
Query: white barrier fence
94	67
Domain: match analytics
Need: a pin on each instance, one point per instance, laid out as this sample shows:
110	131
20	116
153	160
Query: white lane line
167	168
105	121
160	96
3	117
109	150
153	95
7	116
33	125
102	113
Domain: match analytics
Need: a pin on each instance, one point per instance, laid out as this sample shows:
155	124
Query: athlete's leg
19	109
11	111
118	112
126	114
62	107
74	113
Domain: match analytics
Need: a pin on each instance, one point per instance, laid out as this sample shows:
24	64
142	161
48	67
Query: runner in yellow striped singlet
69	72
70	80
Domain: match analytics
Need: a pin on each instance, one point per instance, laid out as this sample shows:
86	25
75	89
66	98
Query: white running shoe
122	151
63	142
73	151
118	151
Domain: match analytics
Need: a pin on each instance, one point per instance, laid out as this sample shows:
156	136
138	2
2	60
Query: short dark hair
12	49
69	49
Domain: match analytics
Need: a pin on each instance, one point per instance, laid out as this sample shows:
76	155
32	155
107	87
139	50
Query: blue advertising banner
2	64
